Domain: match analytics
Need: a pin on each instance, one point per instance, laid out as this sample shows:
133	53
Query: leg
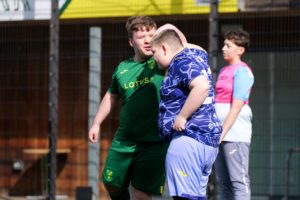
117	170
237	160
222	176
148	170
140	195
117	193
188	165
211	191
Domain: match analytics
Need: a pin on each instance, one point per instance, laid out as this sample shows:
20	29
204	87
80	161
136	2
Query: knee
117	193
140	195
112	189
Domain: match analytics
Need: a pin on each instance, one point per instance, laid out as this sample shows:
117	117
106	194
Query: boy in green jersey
136	155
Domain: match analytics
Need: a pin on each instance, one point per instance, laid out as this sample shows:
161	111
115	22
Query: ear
241	51
130	42
164	48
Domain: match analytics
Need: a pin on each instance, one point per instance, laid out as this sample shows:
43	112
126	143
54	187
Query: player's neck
235	61
177	51
140	59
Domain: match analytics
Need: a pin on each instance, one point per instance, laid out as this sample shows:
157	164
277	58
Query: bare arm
198	92
235	109
108	101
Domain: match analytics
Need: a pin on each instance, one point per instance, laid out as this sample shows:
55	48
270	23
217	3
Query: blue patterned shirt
203	125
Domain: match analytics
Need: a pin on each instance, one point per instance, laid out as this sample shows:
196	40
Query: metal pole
213	56
271	120
94	100
53	97
213	37
288	161
286	194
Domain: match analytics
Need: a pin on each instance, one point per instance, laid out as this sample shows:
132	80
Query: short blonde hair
170	36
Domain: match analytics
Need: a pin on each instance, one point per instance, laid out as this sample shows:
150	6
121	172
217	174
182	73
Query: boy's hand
94	133
179	123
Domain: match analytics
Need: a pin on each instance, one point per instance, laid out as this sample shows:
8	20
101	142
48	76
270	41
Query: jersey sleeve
113	88
188	70
243	81
200	53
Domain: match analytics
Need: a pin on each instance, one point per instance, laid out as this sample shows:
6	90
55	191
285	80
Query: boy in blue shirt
187	115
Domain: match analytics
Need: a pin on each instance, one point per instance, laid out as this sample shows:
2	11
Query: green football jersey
138	84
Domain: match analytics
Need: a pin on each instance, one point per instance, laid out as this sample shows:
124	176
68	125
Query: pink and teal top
235	82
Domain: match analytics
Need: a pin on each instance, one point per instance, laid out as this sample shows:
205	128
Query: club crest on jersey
151	64
108	175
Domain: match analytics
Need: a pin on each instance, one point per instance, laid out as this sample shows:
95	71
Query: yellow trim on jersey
182	173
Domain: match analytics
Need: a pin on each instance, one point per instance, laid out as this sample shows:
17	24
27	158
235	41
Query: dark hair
135	23
240	38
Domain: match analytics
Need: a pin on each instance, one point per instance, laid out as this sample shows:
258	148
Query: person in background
187	115
233	88
137	155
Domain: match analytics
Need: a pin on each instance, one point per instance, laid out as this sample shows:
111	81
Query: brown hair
135	23
240	38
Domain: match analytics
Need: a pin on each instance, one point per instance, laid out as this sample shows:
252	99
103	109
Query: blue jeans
232	171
